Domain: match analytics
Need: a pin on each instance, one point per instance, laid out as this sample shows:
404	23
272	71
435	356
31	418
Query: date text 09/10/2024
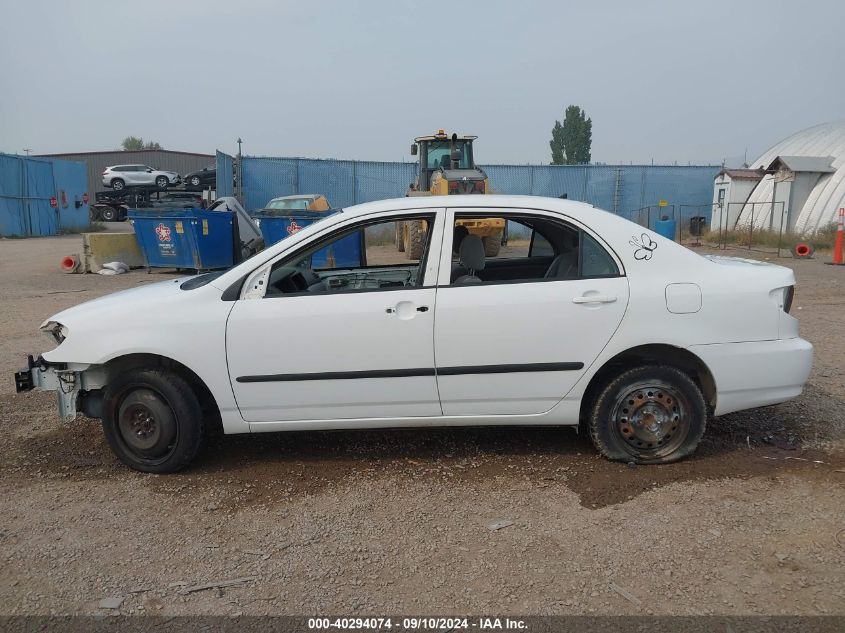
416	623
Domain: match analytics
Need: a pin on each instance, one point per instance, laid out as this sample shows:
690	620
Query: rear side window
595	260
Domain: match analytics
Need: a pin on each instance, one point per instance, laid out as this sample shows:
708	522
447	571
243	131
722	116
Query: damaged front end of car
78	386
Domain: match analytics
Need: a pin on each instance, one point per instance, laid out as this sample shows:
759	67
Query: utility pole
240	192
27	150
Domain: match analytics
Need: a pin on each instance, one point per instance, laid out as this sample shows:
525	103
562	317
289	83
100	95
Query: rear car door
514	345
341	332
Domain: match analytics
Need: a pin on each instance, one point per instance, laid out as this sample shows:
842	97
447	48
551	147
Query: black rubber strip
508	369
341	375
408	373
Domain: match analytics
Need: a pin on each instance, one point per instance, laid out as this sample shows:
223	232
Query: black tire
414	239
194	181
117	184
108	214
152	420
162	182
648	415
492	244
400	237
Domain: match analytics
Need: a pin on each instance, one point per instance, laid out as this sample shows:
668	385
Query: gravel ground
382	522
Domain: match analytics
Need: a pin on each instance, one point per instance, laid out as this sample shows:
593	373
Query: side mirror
455	154
149	170
414	149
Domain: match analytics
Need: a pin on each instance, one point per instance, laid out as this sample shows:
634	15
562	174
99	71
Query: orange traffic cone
70	263
840	238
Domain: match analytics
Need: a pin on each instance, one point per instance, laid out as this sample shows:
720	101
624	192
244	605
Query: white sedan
584	318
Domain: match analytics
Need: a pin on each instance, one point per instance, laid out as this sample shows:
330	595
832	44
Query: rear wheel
492	244
414	239
117	184
195	181
648	415
162	182
108	214
152	420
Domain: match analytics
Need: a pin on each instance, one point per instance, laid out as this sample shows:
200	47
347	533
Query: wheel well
657	354
210	409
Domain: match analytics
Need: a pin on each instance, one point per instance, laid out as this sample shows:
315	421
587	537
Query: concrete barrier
101	248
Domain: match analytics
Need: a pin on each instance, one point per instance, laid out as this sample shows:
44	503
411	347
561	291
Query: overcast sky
665	81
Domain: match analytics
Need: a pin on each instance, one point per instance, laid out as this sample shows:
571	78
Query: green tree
133	143
571	141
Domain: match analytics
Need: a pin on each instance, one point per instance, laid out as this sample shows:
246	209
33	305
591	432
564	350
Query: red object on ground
70	263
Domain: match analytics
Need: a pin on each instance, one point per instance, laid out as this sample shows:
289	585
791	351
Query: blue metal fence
618	188
225	171
26	186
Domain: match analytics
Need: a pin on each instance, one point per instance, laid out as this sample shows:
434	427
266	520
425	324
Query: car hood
93	314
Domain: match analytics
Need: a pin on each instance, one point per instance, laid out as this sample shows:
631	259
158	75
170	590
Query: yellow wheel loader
447	166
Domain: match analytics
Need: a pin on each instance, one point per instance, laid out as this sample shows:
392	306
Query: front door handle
594	299
405	308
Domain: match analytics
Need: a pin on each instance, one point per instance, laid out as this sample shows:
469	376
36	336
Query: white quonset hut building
804	177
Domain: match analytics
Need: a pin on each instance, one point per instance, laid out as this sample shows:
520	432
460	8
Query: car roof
304	196
570	207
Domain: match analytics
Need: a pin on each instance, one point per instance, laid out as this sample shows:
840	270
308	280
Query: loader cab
439	151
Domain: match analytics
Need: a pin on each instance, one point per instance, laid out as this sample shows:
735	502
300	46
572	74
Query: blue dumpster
196	239
666	227
346	252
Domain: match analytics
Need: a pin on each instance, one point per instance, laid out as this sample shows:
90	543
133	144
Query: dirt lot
394	521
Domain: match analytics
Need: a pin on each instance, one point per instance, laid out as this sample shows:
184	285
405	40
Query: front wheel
152	420
195	181
109	214
162	182
648	415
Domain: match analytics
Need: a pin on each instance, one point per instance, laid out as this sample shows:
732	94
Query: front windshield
296	203
439	154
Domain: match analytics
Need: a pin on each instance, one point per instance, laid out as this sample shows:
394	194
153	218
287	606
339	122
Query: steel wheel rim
147	425
652	418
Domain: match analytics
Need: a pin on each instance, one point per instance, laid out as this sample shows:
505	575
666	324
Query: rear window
301	203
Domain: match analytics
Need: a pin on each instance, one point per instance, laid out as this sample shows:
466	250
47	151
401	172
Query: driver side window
378	255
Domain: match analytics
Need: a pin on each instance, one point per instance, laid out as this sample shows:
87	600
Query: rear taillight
788	294
478	187
453	187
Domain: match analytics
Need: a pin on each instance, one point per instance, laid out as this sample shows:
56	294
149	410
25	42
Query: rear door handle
422	309
594	299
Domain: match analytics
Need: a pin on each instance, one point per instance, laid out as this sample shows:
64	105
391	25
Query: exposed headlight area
56	331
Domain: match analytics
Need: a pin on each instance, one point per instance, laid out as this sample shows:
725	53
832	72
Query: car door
144	175
353	341
517	346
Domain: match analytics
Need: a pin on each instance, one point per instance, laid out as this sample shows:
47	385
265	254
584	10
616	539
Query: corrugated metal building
180	162
805	177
